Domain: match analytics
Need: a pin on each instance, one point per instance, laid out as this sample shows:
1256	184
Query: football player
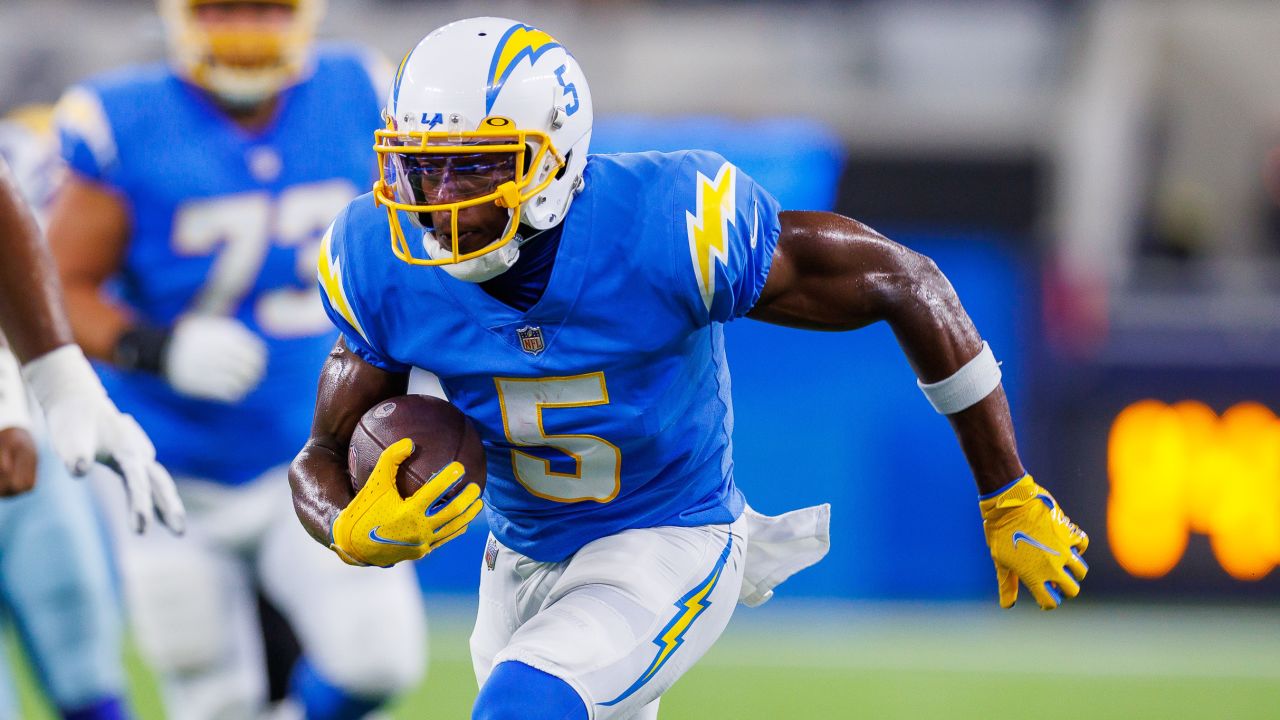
573	307
54	581
186	234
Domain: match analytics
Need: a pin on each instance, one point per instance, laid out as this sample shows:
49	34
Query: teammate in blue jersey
55	589
573	306
187	235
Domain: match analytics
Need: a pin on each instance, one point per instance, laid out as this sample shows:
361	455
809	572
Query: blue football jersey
605	406
227	221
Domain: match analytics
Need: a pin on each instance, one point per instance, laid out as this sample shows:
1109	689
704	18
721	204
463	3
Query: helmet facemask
243	60
425	172
533	107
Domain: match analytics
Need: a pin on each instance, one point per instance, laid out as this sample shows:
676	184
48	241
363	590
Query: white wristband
966	386
14	412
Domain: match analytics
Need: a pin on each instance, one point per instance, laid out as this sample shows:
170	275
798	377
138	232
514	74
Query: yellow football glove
1033	541
381	528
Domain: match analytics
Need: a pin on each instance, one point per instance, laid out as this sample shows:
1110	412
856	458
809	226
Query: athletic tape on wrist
966	386
14	412
61	373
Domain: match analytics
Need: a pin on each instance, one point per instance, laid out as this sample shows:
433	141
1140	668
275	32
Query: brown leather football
440	434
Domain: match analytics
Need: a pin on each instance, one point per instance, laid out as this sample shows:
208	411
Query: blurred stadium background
1100	180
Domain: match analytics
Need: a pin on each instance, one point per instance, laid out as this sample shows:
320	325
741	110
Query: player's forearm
938	339
30	305
831	272
986	436
318	478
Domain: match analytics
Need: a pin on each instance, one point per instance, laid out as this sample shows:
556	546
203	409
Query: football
440	434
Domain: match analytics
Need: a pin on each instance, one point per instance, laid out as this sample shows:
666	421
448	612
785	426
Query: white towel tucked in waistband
781	546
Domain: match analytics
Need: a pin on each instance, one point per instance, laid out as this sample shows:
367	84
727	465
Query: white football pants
193	611
621	620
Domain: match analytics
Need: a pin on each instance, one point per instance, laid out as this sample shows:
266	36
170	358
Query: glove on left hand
84	425
381	528
1033	541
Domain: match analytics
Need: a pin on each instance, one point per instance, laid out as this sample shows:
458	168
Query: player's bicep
830	272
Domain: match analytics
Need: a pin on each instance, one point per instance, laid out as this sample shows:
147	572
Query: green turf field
798	660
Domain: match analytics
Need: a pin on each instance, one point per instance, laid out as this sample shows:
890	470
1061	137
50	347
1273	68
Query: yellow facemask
242	63
422	172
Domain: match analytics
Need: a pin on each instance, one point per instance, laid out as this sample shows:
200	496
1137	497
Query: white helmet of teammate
485	110
243	64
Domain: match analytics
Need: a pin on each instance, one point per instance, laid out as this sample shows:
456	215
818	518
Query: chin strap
521	240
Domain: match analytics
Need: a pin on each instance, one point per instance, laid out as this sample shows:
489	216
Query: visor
422	172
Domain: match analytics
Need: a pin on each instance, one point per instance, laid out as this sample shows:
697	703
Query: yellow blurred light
1181	469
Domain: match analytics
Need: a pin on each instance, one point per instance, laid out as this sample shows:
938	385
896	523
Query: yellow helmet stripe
519	42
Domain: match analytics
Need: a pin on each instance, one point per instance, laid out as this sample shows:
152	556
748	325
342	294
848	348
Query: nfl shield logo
491	553
531	339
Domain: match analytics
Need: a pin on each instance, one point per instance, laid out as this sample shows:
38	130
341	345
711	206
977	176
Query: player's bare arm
375	526
30	306
348	387
206	356
833	273
28	314
84	424
89	232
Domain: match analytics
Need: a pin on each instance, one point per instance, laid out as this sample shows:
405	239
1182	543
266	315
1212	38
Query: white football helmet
242	64
485	110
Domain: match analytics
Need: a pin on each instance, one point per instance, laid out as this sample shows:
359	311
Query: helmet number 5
597	462
569	89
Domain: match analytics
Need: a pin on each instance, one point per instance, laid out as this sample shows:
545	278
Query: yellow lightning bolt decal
329	272
674	634
669	640
521	40
708	229
81	112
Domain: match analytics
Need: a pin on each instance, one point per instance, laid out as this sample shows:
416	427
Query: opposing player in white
186	235
54	580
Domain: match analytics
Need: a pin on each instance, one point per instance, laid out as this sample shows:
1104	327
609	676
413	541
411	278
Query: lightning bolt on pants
621	620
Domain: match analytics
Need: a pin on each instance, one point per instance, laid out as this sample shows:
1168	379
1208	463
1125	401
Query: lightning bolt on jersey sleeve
86	137
30	147
732	228
336	293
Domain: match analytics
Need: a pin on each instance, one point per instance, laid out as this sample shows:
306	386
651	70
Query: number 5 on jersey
597	462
